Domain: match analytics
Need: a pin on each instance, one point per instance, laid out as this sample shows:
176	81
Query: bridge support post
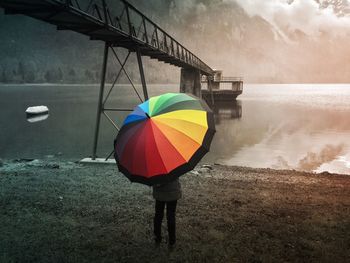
210	88
100	100
142	75
190	81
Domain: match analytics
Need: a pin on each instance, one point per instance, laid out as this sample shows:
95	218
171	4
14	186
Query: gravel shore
55	211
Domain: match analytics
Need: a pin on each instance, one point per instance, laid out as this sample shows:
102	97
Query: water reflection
285	127
226	115
286	136
37	117
226	111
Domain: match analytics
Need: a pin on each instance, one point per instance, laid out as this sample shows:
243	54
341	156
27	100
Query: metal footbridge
114	21
118	24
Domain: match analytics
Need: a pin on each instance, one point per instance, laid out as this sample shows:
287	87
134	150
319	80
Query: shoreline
57	162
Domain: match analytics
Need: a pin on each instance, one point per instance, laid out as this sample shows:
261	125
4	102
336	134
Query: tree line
29	72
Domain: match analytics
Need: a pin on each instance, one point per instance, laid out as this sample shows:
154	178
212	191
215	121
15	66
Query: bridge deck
114	21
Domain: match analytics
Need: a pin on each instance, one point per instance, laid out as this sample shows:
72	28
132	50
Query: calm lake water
303	127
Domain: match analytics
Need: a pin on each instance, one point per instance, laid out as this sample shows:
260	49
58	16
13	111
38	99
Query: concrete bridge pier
190	81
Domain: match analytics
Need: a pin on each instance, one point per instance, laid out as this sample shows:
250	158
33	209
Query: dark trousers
170	215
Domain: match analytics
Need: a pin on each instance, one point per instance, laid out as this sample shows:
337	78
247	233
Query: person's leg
170	213
158	218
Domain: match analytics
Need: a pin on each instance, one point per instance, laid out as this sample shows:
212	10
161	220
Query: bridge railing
231	79
123	17
221	79
222	83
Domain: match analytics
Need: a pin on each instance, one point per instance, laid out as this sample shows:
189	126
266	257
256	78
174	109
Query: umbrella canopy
164	138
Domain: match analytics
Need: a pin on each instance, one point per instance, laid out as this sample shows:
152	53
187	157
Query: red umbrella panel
164	138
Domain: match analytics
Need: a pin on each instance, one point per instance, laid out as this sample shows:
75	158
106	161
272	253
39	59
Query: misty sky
295	41
264	41
308	16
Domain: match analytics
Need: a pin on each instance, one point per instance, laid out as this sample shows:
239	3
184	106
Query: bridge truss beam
103	99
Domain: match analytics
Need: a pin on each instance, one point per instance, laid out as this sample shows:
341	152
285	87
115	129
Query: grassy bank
66	212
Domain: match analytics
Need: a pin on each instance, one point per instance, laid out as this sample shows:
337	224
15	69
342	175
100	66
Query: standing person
166	195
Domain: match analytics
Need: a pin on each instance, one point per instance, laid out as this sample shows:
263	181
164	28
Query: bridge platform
219	89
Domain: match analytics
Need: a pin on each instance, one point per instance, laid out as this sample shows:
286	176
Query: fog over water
303	127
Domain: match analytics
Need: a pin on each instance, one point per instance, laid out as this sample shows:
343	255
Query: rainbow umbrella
164	138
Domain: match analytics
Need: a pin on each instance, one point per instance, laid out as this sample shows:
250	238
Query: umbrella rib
157	99
169	119
169	144
155	142
200	139
170	98
138	148
124	130
179	104
126	152
155	121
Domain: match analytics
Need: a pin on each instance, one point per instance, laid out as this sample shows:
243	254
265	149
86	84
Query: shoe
157	240
172	245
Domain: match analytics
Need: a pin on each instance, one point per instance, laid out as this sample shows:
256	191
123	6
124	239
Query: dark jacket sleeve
167	192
